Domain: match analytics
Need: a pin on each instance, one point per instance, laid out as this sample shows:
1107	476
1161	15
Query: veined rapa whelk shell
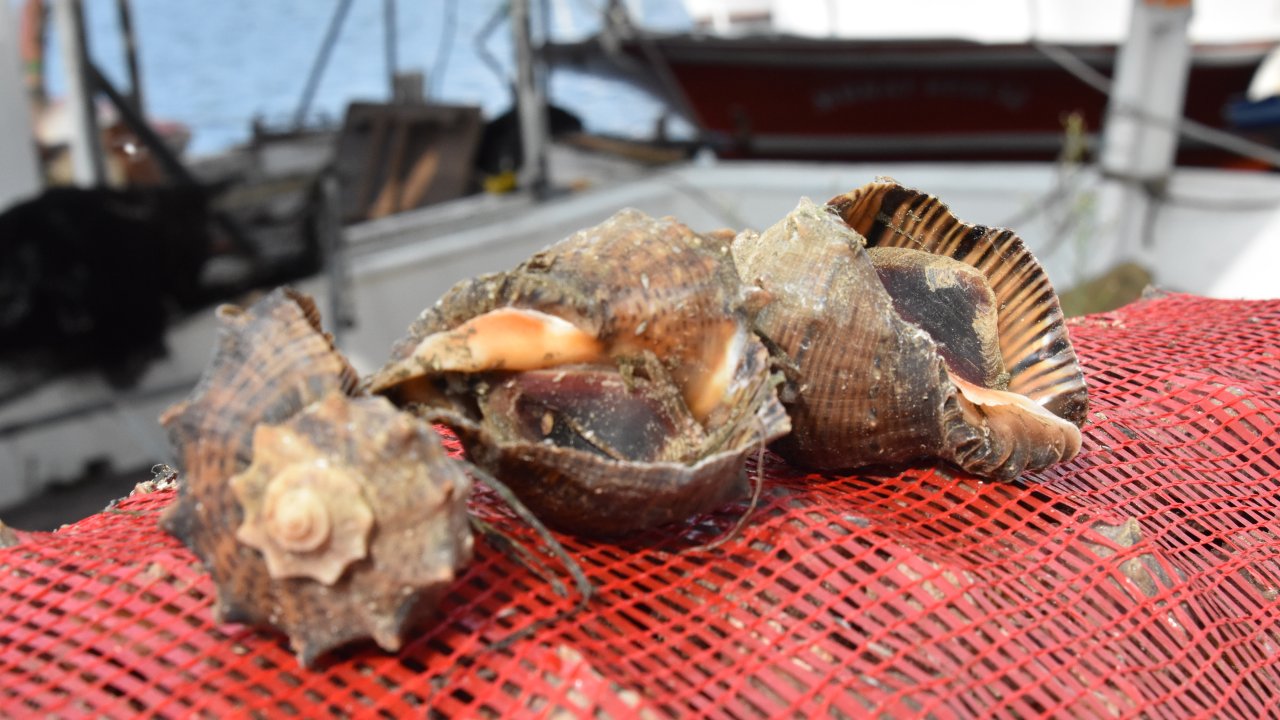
866	385
330	517
622	333
1034	342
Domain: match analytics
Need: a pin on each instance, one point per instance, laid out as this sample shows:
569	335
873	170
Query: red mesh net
1138	580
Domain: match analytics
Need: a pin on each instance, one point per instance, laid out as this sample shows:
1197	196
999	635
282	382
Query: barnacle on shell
636	326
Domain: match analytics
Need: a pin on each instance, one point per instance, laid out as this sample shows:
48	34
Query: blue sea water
216	64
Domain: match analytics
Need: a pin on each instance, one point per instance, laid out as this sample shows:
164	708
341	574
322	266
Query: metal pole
341	312
322	59
130	54
88	168
529	104
389	43
1151	76
1141	139
448	28
21	177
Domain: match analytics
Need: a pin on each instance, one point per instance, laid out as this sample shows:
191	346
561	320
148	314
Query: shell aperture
660	376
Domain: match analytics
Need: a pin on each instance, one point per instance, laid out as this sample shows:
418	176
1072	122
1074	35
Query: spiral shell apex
307	517
360	518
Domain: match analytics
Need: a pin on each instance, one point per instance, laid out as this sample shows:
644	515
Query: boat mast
19	167
320	63
530	104
87	166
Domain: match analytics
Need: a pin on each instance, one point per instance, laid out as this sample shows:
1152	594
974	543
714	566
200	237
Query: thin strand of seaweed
757	487
585	589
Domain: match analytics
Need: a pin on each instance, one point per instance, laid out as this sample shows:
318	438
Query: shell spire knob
308	518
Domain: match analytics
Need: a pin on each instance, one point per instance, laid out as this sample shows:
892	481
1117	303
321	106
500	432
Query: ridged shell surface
1033	336
270	362
864	386
392	575
632	280
279	463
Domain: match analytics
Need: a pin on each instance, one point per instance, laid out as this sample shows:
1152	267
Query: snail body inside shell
616	367
517	339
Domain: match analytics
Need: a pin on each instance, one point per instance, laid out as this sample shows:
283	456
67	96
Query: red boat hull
906	100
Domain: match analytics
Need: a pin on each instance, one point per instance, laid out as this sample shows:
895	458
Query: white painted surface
1064	21
21	172
88	167
1141	136
1147	94
720	15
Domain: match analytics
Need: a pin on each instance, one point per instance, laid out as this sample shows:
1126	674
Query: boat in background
811	79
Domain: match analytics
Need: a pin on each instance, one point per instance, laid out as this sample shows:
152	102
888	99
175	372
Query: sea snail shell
635	326
330	517
1034	342
866	386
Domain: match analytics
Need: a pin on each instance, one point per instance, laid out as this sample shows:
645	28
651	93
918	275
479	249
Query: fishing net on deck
1138	580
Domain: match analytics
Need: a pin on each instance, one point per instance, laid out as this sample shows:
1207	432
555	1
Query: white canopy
1065	21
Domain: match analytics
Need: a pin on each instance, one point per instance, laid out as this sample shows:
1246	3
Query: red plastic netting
1138	580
